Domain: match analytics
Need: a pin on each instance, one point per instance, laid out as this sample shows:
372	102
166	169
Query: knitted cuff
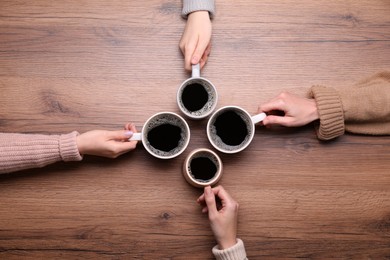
233	253
190	6
68	147
330	110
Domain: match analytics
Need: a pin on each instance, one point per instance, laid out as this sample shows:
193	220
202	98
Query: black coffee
194	97
165	137
203	168
231	128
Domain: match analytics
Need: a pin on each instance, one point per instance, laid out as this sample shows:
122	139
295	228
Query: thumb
272	105
199	51
120	134
277	120
210	202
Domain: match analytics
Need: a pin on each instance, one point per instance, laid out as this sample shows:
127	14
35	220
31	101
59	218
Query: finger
182	45
189	51
124	147
277	120
226	201
119	135
199	51
133	128
273	105
202	62
206	53
205	57
201	198
210	201
128	126
208	50
221	193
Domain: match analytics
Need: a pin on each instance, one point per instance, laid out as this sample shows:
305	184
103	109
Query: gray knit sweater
190	6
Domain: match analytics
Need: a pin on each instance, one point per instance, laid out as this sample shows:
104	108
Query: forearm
190	6
24	151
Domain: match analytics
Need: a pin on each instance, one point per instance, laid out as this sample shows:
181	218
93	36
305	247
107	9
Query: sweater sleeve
24	151
363	108
236	252
330	110
190	6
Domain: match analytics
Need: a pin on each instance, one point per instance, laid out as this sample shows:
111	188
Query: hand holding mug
223	218
195	44
105	143
297	111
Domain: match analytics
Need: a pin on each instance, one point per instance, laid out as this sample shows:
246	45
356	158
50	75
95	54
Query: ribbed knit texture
363	108
190	6
367	105
330	110
236	252
24	151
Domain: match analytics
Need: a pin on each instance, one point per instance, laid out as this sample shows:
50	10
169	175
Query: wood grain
83	65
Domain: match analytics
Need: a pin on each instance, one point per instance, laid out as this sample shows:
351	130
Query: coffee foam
218	141
166	119
210	102
208	156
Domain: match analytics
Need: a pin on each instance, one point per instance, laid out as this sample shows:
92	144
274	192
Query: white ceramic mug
231	129
164	135
202	167
197	97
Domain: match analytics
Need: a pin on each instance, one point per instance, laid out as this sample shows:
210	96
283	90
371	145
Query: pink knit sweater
24	151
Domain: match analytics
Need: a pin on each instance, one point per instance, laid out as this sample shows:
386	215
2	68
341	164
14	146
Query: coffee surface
231	128
203	168
164	137
194	97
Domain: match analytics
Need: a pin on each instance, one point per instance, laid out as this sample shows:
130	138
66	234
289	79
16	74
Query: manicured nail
129	133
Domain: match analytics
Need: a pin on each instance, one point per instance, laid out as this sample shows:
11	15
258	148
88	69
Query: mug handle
196	70
258	118
136	137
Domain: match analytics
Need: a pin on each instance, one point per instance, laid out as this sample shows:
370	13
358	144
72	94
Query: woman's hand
195	43
223	218
296	111
104	143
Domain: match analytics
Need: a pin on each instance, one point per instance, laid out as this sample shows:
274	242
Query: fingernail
129	133
194	60
207	190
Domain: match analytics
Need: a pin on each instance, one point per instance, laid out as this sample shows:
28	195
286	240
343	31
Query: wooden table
83	65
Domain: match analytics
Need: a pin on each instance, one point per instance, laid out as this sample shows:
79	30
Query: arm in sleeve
236	252
363	108
190	6
25	151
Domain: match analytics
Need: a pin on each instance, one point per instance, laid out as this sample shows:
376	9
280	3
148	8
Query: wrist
199	14
79	144
190	6
314	115
227	243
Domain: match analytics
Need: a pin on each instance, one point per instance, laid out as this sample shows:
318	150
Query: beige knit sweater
236	252
363	108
